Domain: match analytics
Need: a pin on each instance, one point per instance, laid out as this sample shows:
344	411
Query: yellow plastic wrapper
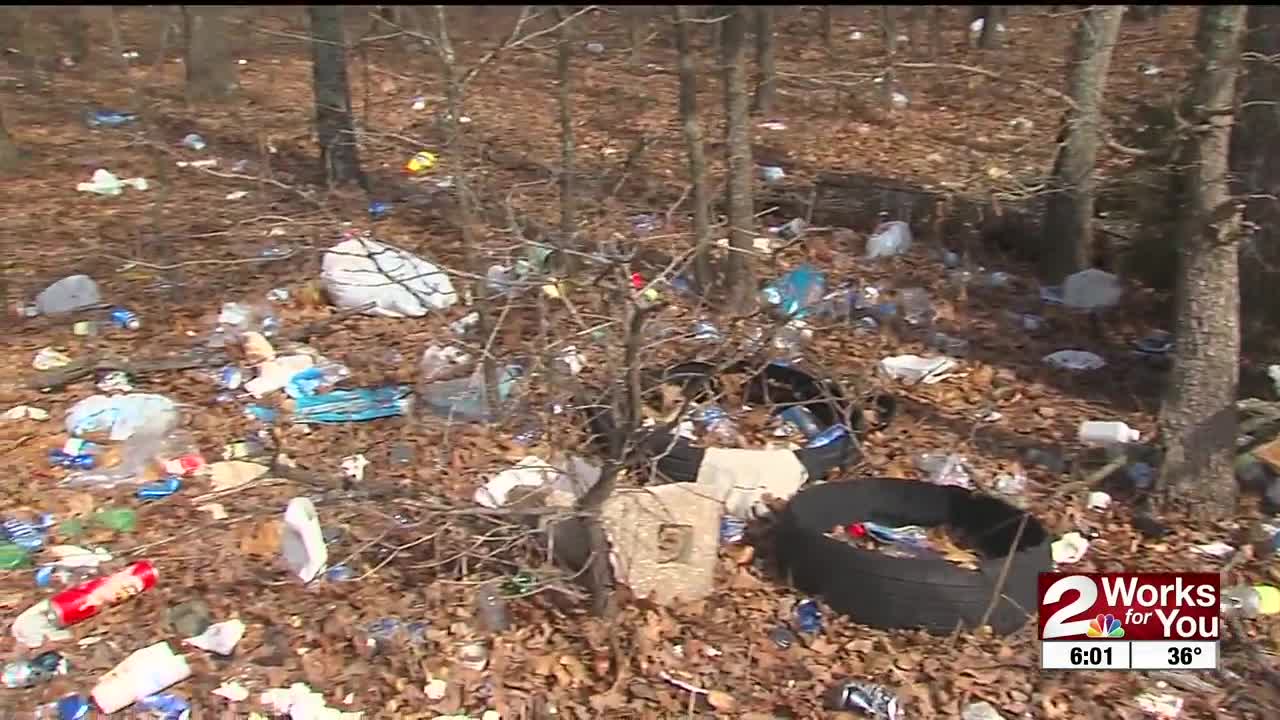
421	162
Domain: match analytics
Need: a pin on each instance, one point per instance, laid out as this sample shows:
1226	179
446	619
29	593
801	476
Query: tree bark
739	276
8	150
825	28
75	30
211	70
564	97
766	65
335	128
1256	169
635	18
935	32
1198	419
693	145
889	29
989	39
1069	212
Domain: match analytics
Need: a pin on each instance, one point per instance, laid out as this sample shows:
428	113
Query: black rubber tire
927	593
678	460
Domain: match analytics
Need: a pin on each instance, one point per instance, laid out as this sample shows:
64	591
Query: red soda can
184	465
88	599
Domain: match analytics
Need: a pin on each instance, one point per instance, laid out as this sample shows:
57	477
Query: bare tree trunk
564	96
767	85
991	19
462	188
211	70
8	151
889	28
739	276
635	18
1069	213
824	27
935	32
75	30
1198	421
335	128
693	144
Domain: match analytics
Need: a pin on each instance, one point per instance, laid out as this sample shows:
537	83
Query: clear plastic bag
889	239
142	458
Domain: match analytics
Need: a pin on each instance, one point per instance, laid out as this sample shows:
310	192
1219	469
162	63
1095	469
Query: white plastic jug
1107	432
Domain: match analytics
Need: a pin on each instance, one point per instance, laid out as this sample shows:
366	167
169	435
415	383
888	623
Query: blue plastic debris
356	405
797	292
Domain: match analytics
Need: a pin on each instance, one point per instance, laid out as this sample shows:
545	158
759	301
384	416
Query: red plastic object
637	281
88	599
185	465
857	530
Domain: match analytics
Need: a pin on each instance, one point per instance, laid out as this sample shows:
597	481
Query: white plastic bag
123	415
104	182
359	271
889	239
1091	289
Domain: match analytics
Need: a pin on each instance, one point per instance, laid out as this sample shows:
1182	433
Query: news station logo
1129	606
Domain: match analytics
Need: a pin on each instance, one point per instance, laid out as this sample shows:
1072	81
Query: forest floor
175	252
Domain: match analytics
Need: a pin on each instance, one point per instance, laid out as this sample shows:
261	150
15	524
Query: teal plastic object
797	292
341	406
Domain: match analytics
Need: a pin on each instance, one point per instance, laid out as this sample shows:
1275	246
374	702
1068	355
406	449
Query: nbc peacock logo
1105	626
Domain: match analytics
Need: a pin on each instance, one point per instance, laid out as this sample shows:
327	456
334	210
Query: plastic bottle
145	672
28	673
717	423
491	608
874	701
126	319
1107	432
803	419
1250	601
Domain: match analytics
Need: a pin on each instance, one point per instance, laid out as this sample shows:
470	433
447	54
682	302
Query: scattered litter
232	691
595	48
872	700
1106	432
435	689
109	118
1099	500
1076	360
68	295
797	291
1160	705
219	638
276	373
360	270
420	163
86	600
192	141
772	173
915	369
144	673
889	239
899	100
773	125
357	405
121	416
1069	548
35	625
1159	342
1091	289
302	541
26	412
104	182
1217	550
47	359
946	469
231	474
74	556
353	466
563	486
237	195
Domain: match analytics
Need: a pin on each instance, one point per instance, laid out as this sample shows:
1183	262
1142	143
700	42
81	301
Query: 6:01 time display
1091	656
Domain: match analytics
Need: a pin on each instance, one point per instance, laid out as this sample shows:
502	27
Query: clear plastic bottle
872	700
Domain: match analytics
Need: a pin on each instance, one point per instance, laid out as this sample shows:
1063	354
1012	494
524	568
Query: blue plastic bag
798	291
356	405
